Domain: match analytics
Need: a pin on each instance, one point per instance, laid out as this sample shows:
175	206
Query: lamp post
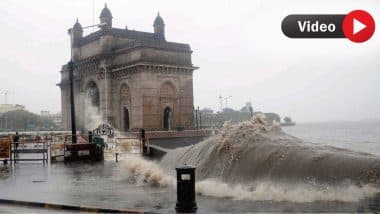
72	106
105	92
196	119
198	125
71	83
200	119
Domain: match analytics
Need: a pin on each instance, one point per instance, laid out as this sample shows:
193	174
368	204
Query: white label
185	177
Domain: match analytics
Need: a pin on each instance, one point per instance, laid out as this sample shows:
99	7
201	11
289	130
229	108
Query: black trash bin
186	202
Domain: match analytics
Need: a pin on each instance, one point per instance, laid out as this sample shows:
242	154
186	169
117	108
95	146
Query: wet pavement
99	185
25	209
107	185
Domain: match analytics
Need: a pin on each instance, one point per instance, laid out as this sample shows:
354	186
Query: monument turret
159	27
106	18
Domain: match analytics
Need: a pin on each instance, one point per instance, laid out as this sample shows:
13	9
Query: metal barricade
5	147
38	145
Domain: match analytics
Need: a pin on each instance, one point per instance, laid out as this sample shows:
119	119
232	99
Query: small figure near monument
16	138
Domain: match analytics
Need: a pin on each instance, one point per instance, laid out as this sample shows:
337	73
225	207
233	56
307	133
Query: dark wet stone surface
107	185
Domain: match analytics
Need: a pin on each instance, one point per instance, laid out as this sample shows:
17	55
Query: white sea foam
147	172
92	115
144	172
256	161
284	192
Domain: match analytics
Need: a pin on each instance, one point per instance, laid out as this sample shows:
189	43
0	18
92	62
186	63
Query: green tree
21	120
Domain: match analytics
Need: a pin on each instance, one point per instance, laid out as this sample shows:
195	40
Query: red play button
358	26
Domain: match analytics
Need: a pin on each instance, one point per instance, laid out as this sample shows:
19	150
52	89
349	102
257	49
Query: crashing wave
256	161
254	150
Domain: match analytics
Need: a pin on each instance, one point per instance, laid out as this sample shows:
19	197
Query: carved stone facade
135	79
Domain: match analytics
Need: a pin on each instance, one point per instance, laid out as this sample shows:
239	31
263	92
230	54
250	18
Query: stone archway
125	107
126	122
167	118
168	99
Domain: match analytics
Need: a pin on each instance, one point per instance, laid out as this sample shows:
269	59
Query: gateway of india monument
132	79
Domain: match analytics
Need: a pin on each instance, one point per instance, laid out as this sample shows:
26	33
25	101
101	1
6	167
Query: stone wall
144	77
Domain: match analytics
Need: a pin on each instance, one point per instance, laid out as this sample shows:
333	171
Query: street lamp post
200	118
71	83
198	125
196	119
72	106
105	92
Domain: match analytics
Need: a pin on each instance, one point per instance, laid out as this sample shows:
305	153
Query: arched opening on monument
167	117
126	119
125	108
168	97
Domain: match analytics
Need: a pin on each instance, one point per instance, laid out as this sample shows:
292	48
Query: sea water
362	136
259	163
141	184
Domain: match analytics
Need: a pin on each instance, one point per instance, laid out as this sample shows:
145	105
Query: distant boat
288	122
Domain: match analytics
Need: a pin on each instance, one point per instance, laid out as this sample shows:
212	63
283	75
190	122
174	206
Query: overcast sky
238	46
